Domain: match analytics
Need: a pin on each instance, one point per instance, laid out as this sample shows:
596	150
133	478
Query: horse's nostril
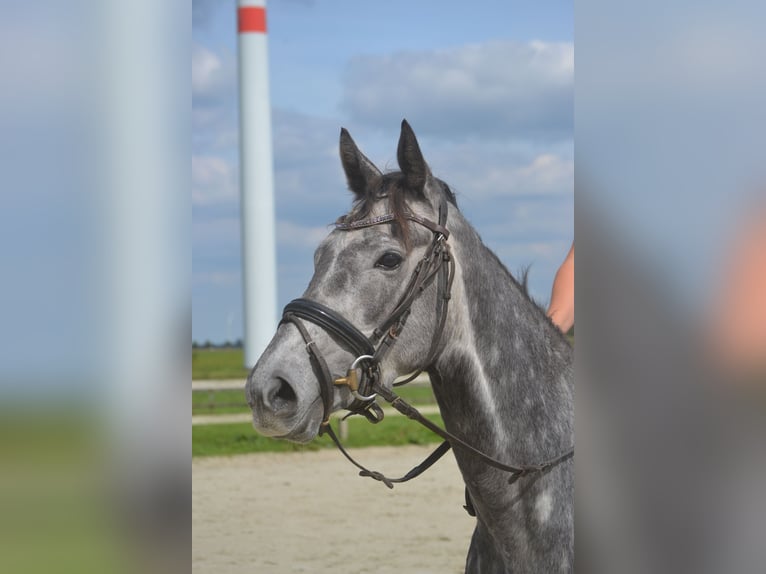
280	395
285	392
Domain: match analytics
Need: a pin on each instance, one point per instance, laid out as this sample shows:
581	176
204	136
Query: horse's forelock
393	189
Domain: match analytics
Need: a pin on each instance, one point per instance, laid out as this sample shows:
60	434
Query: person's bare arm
561	308
738	326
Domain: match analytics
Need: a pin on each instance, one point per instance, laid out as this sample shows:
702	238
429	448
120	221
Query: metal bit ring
354	393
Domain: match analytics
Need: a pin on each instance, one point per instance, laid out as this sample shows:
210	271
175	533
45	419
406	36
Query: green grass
55	514
416	394
218	364
218	402
228	439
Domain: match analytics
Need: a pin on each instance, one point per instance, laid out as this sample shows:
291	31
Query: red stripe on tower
251	19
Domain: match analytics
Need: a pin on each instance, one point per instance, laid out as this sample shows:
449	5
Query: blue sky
487	86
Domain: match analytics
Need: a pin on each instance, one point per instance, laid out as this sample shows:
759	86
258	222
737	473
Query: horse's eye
389	260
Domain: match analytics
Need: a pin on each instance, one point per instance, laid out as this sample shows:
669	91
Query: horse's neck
504	378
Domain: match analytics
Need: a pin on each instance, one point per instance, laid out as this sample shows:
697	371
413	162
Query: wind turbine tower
259	282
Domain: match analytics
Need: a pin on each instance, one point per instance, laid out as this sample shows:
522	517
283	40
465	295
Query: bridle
436	265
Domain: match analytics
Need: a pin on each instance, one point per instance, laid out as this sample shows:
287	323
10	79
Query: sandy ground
311	512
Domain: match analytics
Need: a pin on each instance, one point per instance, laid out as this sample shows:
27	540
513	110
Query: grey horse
501	372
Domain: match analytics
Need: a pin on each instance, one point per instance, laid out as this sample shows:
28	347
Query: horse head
381	267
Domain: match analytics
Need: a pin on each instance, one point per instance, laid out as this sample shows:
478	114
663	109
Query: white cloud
546	174
213	79
308	175
505	220
291	234
214	180
214	101
298	137
205	66
213	76
499	88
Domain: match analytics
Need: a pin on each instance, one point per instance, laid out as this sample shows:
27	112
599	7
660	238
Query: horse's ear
361	173
411	162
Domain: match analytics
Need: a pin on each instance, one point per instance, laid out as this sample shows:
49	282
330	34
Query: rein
438	265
